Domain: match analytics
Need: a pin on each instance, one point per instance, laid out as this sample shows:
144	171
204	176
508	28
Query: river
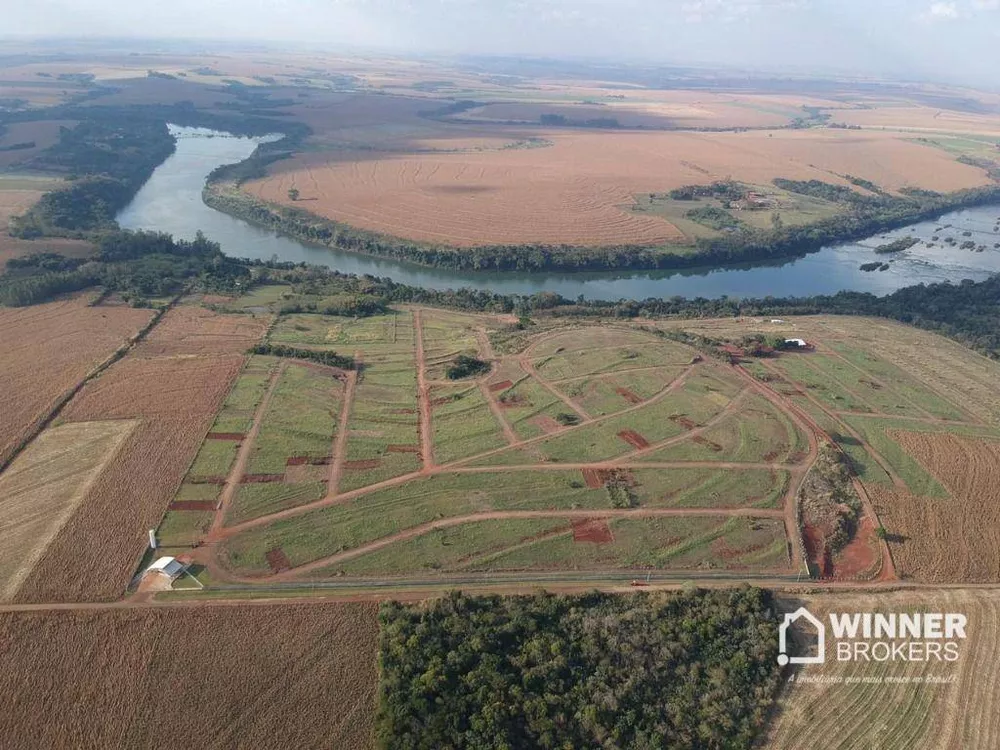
170	201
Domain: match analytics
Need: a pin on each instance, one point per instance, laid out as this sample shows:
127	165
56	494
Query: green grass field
300	420
463	424
702	543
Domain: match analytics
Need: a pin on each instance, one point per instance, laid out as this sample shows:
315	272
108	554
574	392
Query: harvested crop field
176	399
191	329
885	706
43	487
287	675
48	350
581	189
953	539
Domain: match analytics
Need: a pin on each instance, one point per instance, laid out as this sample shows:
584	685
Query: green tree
293	194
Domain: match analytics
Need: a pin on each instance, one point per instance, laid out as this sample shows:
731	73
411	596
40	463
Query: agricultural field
241	676
174	393
885	706
591	188
48	350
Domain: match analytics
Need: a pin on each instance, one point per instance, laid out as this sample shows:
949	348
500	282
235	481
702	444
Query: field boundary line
339	448
56	409
423	394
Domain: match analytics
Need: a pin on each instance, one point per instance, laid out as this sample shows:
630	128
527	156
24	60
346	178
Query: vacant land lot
241	677
885	706
49	349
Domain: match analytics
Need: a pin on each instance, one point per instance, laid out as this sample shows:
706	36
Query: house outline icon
783	657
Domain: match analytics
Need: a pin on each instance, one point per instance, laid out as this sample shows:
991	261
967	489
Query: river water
171	202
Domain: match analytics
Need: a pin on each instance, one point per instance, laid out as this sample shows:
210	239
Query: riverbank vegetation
142	265
860	217
695	669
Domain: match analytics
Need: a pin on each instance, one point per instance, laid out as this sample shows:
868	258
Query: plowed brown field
176	399
190	329
881	709
580	190
952	540
47	350
296	676
43	487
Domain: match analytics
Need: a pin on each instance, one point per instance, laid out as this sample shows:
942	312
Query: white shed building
170	567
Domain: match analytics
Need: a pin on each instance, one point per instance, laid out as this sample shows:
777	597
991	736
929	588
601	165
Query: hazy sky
937	39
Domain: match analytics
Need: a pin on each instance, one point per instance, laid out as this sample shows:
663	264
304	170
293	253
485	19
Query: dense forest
695	669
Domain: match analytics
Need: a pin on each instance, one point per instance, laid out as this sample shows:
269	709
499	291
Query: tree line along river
170	201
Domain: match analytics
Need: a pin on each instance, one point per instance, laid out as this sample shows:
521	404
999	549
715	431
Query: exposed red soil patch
514	401
546	423
206	480
440	400
859	558
594	530
770	456
308	461
634	439
815	544
684	421
193	505
501	386
710	444
626	394
871	384
225	436
277	559
262	478
796	457
336	372
364	463
721	548
395	448
596	478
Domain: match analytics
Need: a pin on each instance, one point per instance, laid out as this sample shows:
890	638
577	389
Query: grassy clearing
758	433
702	543
385	413
300	419
702	397
899	381
525	403
463	425
876	432
708	488
260	297
572	364
256	500
330	530
183	528
214	459
237	412
862	463
796	369
466	547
